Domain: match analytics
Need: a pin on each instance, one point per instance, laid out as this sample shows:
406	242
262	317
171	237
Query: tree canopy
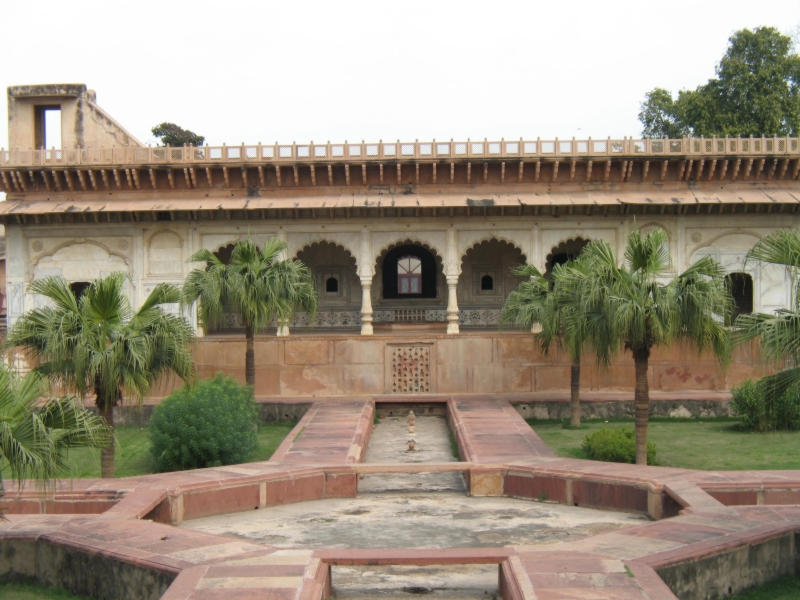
778	334
630	308
258	284
756	92
171	135
34	439
96	343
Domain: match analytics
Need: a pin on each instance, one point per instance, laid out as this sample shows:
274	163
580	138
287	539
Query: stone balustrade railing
261	154
350	319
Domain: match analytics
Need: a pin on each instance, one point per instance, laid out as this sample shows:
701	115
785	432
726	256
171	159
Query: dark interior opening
487	283
741	288
331	285
79	288
428	271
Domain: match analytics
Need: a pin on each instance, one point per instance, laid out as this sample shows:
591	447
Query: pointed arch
519	239
334	269
565	250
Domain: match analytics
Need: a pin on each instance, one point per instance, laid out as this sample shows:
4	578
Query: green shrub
615	445
761	410
211	424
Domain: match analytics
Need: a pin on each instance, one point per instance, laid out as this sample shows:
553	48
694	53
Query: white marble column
452	268
366	306
366	272
452	304
283	329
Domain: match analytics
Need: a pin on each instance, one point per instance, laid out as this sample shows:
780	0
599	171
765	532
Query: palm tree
34	441
555	305
631	306
258	284
779	333
98	344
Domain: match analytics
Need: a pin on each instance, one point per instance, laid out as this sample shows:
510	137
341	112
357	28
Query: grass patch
35	591
787	588
133	455
716	443
453	444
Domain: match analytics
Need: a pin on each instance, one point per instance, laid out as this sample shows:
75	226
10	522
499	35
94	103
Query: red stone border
700	516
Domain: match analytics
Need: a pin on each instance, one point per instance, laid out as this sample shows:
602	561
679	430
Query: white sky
297	71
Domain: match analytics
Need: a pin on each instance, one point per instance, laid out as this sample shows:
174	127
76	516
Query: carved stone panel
410	368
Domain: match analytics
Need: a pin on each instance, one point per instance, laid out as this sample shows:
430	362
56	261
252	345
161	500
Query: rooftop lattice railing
383	151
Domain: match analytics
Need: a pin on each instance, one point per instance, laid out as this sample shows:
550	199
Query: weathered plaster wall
480	363
151	252
83	123
725	574
83	573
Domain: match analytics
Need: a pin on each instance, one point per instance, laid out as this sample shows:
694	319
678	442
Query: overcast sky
299	71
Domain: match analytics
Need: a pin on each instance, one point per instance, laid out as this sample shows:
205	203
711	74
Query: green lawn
133	453
787	588
710	444
34	591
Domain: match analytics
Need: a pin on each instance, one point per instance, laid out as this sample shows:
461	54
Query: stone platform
712	533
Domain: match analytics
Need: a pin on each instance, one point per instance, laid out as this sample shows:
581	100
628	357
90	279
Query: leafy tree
99	344
756	92
629	307
778	334
34	440
172	135
555	306
257	284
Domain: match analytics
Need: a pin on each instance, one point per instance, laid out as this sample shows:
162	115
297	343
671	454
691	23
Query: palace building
411	243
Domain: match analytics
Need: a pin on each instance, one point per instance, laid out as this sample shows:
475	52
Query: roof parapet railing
381	151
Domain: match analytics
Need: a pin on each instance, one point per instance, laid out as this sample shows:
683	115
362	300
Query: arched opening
741	288
486	280
409	271
337	284
224	253
564	252
79	288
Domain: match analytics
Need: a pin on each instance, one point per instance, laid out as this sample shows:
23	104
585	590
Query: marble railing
351	319
392	151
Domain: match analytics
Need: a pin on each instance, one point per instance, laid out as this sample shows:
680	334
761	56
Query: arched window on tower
741	288
409	275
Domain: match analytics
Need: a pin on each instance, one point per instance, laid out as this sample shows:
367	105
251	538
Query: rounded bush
211	424
615	445
761	410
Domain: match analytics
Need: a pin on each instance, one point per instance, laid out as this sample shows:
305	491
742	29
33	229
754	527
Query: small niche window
741	288
79	288
331	285
409	275
487	283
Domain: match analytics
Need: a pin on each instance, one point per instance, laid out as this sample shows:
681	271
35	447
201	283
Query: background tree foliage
171	135
756	92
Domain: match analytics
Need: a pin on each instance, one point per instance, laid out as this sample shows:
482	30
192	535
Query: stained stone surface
455	582
389	445
441	520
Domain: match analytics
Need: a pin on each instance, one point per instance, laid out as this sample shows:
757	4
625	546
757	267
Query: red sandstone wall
466	363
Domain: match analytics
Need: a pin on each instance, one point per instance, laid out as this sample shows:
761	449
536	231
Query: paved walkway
713	514
492	431
332	432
